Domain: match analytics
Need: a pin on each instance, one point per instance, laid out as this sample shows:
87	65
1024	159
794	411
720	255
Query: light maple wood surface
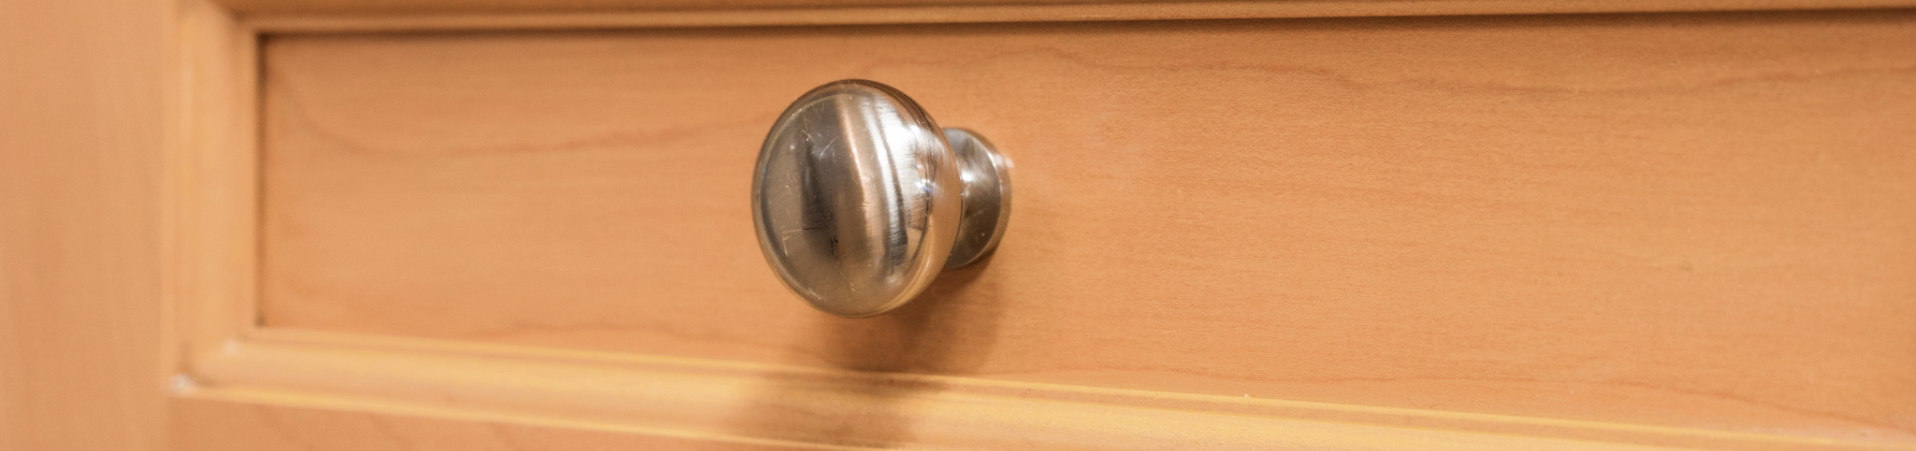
299	16
82	102
413	10
214	425
1682	220
384	380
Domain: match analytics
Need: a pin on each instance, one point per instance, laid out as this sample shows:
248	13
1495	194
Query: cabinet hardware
860	199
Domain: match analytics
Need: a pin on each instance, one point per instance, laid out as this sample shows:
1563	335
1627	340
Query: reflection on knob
860	199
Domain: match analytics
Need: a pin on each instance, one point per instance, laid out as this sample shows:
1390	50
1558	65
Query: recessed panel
1683	220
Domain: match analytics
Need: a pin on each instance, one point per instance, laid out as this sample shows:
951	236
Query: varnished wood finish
82	102
202	424
919	11
272	15
1723	194
746	403
1681	220
214	191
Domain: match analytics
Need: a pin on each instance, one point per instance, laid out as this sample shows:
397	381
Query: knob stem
987	196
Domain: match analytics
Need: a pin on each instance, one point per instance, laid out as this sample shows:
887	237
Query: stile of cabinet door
83	101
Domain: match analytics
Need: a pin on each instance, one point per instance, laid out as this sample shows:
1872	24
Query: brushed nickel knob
860	199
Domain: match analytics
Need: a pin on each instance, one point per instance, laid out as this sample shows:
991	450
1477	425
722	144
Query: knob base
987	196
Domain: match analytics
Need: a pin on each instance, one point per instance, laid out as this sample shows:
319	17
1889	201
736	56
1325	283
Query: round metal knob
860	199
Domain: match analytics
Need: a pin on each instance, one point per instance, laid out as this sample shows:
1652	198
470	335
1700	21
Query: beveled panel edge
210	192
762	403
575	16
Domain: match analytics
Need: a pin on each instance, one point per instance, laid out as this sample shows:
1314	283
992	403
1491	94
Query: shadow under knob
860	199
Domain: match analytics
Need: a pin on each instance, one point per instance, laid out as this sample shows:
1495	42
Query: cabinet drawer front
1698	220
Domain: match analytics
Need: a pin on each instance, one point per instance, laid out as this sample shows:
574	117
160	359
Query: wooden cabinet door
515	225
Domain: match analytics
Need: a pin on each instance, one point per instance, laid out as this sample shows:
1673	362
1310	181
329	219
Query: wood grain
487	388
212	197
203	424
83	100
1682	220
259	423
1030	9
349	15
